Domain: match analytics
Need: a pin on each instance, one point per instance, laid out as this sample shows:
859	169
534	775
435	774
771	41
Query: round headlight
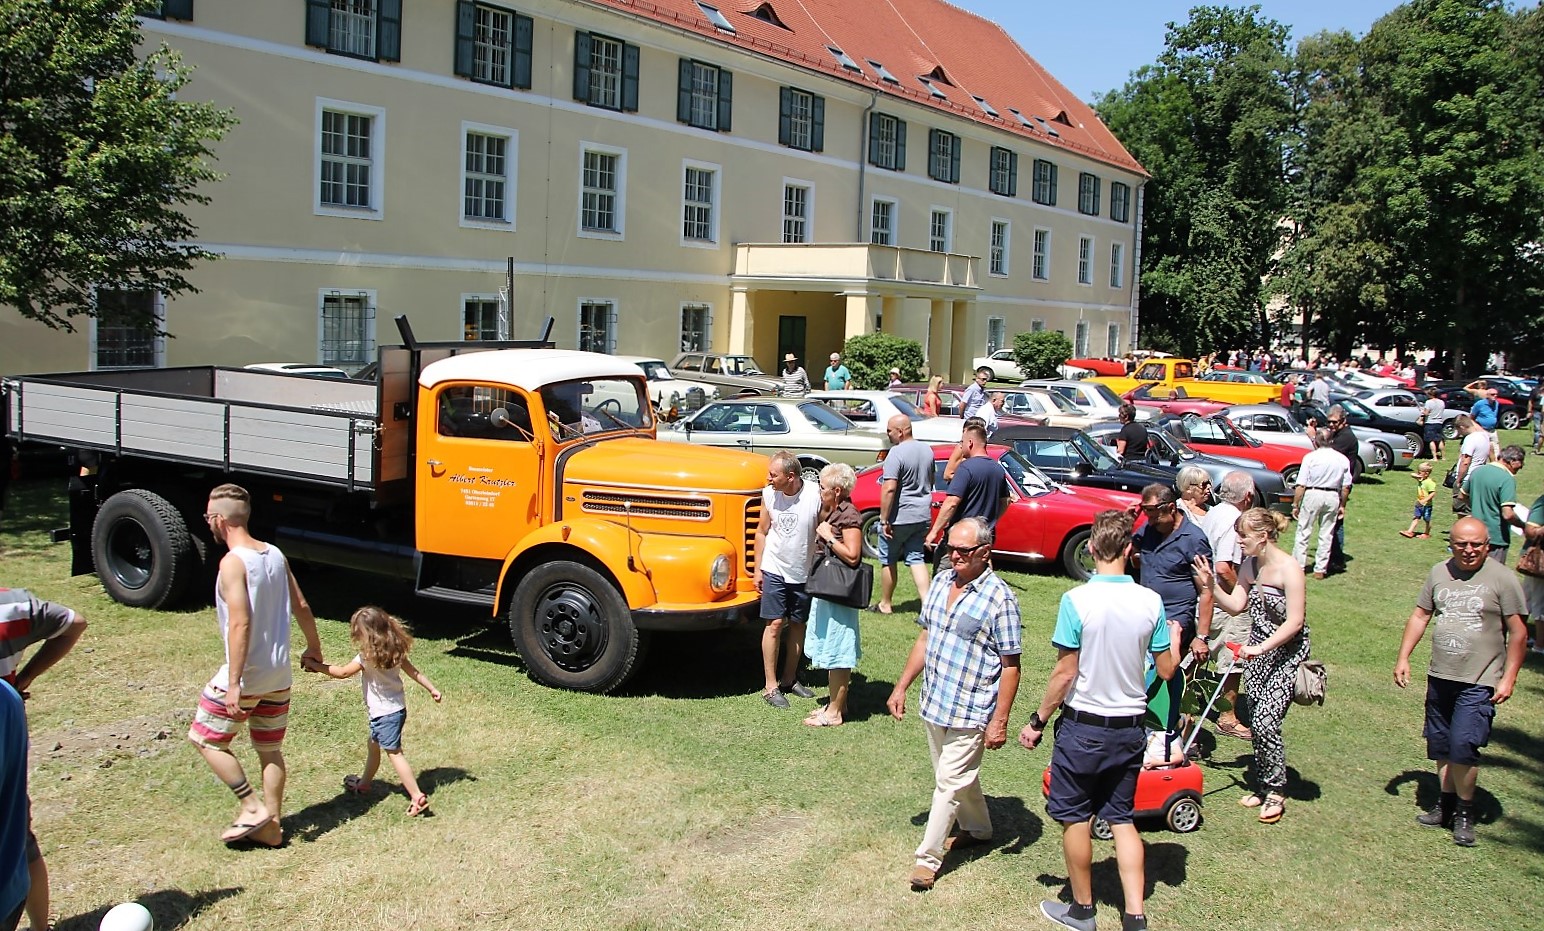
718	579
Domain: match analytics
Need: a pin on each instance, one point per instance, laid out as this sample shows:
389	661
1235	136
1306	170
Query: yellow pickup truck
1178	376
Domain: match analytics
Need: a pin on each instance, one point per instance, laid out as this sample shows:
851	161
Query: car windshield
655	370
596	405
822	417
903	406
1355	410
1094	453
741	365
1025	476
1167	446
1105	394
1059	402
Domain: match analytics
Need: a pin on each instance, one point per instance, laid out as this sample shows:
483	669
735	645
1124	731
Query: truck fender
606	544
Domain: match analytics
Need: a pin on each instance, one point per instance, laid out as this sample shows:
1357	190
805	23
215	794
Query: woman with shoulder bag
831	639
1531	566
1270	590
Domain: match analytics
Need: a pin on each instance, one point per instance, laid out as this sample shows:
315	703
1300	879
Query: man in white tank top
254	597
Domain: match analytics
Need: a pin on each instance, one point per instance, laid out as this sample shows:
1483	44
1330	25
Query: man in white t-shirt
785	539
254	597
1475	452
1323	483
1431	423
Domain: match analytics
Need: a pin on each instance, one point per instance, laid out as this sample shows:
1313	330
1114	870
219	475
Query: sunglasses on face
1468	546
951	549
1154	509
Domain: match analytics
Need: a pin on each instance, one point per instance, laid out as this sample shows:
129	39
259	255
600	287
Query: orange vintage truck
1179	375
511	475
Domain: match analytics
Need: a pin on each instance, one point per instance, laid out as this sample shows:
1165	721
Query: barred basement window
348	329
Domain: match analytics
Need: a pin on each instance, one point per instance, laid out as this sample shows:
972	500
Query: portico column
964	346
940	337
742	323
860	309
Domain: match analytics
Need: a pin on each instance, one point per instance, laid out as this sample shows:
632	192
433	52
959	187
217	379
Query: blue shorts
1432	432
1458	717
1422	512
386	730
1094	770
781	598
904	545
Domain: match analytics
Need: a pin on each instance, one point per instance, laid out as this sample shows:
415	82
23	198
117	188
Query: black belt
1099	720
1334	488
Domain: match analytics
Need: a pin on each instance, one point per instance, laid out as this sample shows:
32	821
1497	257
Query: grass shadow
318	818
1166	863
171	909
1014	828
1487	808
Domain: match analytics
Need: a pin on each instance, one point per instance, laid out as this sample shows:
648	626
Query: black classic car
1070	456
1165	449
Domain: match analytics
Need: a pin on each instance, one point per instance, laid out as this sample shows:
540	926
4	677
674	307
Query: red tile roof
910	38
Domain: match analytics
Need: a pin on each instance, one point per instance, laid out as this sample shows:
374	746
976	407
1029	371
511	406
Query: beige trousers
957	794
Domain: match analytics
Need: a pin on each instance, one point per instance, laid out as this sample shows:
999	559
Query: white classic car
672	396
1002	365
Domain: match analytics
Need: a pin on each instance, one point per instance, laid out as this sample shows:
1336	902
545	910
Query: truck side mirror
499	417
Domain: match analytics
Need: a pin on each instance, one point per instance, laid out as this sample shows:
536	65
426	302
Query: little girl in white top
383	644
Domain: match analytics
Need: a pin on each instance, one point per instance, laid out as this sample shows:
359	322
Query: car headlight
722	572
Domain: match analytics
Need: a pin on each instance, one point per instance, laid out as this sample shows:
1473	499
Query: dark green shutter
725	100
177	9
524	28
318	22
1013	174
818	124
785	116
954	160
932	146
1098	189
582	66
683	107
1051	201
873	138
388	30
900	145
466	23
630	78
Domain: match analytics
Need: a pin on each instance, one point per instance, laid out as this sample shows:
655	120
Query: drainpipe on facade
863	161
1136	268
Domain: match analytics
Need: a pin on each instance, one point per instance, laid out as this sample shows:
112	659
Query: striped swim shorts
213	726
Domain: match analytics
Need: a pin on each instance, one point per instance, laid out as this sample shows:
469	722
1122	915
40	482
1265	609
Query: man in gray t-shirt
1477	647
905	509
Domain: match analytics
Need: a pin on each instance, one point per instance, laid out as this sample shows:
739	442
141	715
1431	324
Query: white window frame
1112	341
321	320
703	113
158	347
485	297
889	151
619	196
894	231
368	35
809	208
932	229
607	75
714	196
611	322
1000	324
1086	261
485	53
801	120
1037	326
707	325
997	254
1080	340
1040	263
511	173
1117	265
377	115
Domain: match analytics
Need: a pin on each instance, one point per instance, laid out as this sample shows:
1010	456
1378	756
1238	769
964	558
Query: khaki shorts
1227	628
214	728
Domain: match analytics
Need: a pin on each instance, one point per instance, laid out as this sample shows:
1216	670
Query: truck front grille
752	521
678	507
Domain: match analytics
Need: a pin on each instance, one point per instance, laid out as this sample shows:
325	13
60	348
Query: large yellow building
761	176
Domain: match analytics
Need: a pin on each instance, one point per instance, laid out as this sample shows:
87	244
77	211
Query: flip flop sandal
244	829
820	720
355	785
1273	809
1252	800
418	807
1407	534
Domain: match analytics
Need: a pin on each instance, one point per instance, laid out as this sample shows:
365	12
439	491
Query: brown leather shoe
1318	575
966	840
922	879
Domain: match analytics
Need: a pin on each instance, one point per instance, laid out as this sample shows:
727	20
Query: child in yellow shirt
1425	492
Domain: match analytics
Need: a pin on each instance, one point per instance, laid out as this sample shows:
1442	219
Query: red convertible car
1045	521
1217	436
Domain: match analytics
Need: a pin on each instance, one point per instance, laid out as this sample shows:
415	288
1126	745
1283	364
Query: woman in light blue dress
831	637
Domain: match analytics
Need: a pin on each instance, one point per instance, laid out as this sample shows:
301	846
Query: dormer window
883	72
766	14
845	59
940	75
719	21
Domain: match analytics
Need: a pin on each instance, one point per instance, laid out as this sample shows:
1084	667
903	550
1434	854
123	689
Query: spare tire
142	550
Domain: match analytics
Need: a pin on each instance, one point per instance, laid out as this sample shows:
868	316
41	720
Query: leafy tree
97	158
871	356
1038	354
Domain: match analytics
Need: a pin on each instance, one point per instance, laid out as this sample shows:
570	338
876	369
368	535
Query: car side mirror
1174	460
687	426
1082	470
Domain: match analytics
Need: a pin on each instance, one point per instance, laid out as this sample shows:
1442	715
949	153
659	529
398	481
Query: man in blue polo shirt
1104	632
1165	554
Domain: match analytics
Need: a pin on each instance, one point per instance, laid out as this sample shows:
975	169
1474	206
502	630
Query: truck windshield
596	405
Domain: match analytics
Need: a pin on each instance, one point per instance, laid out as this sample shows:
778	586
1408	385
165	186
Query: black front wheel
573	629
142	550
1076	558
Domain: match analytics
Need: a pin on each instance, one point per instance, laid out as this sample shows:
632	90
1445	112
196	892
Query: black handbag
835	581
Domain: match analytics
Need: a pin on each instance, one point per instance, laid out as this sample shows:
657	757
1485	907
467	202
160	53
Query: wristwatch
1035	721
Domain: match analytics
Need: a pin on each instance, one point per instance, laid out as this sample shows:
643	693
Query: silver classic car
818	434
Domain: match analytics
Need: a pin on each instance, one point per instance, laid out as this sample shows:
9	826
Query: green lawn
688	803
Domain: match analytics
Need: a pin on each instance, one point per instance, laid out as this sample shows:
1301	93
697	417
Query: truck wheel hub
571	628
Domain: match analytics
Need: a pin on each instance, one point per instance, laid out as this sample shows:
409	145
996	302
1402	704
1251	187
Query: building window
602	192
348	328
939	230
1112	342
998	253
1003	171
703	96
488	176
1080	340
349	143
1088	194
802	120
126	331
1120	202
696	327
1036	326
996	334
887	142
699	197
1045	182
1085	260
168	9
597	326
605	72
359	28
796	213
480	317
882	223
1117	264
493	45
1041	266
943	156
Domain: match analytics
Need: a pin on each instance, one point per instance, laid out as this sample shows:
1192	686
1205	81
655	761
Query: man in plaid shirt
969	649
